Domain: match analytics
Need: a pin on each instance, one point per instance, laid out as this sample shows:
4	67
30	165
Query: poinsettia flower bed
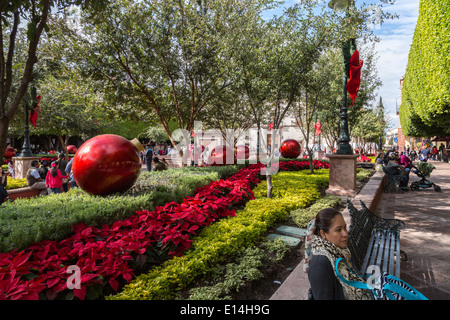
109	255
363	158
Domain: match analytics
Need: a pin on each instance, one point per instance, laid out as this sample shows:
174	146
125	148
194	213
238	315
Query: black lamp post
344	137
26	148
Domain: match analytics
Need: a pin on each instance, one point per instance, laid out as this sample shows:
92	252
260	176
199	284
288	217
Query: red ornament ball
10	152
71	149
290	149
242	152
106	164
219	156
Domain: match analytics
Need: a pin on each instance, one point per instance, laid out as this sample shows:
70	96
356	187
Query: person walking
54	179
69	172
148	158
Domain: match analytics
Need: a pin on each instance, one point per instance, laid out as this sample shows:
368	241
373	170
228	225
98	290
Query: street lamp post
344	137
343	163
26	148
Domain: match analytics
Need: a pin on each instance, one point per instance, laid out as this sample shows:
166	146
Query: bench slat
366	258
387	252
382	247
397	272
376	247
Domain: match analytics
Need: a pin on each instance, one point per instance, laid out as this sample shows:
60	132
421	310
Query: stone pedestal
319	154
342	175
21	166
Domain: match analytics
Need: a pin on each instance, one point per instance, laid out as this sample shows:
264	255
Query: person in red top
54	179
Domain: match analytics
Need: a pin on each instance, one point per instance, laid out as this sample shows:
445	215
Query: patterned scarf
315	245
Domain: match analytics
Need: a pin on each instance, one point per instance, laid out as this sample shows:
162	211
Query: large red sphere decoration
106	164
242	152
219	156
10	152
71	149
290	148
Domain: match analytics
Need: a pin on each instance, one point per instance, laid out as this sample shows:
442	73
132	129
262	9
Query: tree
165	58
312	98
16	71
273	60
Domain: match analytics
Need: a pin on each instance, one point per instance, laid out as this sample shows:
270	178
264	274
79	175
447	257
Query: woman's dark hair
53	169
324	220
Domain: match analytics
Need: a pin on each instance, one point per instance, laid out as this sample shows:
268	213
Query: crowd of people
51	178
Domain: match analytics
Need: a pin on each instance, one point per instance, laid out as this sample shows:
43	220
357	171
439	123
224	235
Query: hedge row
425	108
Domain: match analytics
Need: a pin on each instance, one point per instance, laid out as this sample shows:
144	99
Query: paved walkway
426	238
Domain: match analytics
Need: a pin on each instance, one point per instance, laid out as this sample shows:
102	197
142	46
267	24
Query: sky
393	49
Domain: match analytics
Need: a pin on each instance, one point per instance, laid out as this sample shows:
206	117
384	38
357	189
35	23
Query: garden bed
111	255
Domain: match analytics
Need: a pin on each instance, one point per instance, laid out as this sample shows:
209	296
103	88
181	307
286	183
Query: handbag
385	286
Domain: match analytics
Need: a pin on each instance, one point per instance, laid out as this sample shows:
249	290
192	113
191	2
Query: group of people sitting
56	178
397	164
51	180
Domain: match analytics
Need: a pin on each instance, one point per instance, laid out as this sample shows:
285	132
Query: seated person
3	182
159	165
397	169
34	180
406	162
379	161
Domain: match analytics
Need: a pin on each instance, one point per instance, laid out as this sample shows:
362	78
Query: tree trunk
4	124
310	159
269	184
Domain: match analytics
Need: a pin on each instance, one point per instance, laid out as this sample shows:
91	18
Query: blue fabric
392	288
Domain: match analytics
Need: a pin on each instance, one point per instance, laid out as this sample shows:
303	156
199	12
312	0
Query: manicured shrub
16	183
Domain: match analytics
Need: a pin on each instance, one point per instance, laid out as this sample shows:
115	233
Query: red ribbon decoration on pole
35	112
355	76
318	128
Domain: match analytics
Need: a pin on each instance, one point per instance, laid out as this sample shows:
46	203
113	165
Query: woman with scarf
326	241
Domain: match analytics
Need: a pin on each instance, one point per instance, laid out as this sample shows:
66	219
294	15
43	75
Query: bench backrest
361	226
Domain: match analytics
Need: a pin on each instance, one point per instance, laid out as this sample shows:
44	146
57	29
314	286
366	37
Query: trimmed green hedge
425	108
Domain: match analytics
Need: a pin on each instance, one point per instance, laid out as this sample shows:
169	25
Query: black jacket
324	283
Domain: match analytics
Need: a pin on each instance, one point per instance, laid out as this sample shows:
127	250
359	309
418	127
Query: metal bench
374	241
392	181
